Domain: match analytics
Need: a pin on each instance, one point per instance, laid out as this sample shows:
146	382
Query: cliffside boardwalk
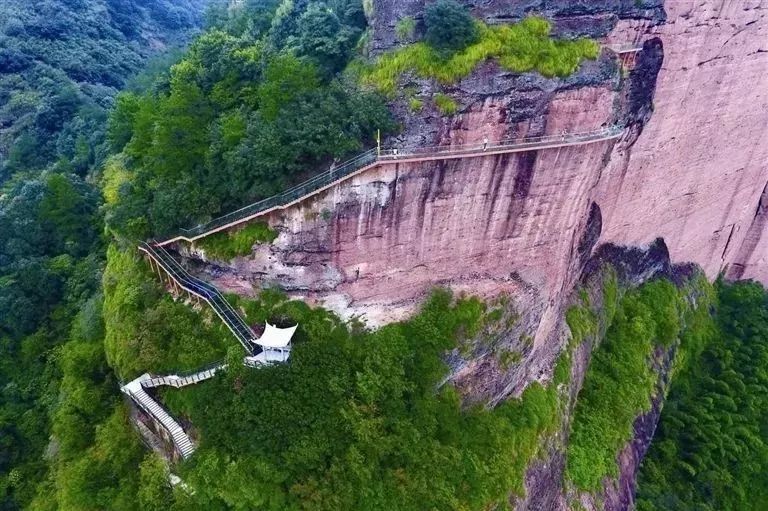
374	158
274	345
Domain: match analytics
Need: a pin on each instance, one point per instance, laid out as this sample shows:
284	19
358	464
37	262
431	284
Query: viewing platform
627	53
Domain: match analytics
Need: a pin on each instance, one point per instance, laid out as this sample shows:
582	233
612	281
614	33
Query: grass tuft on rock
521	47
227	245
445	104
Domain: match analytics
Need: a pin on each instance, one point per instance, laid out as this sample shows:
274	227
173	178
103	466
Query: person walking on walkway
485	143
333	166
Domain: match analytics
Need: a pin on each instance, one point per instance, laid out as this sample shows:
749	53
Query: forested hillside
61	64
99	149
711	448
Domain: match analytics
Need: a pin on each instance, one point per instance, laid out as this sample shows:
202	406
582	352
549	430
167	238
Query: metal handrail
210	294
173	433
216	300
241	324
373	157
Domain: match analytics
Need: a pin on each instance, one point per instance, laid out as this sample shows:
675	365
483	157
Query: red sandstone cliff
692	169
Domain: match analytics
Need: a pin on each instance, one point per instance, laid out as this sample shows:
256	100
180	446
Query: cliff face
696	174
691	169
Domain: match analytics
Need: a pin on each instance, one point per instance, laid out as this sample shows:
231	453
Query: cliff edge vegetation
520	47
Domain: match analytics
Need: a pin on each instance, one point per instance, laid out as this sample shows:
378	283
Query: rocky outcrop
691	170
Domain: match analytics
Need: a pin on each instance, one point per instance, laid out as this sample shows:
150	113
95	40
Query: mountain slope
61	64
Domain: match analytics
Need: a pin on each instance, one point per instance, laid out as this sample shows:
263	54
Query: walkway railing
184	379
207	292
181	441
372	158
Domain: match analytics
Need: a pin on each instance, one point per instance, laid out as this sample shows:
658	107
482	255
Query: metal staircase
207	292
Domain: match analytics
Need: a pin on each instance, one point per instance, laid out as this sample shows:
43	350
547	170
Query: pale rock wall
693	174
696	174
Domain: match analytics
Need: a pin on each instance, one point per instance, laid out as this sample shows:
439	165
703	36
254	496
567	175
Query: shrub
405	28
449	26
522	47
415	104
445	104
227	245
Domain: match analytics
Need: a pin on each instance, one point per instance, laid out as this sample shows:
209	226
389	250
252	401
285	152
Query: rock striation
692	170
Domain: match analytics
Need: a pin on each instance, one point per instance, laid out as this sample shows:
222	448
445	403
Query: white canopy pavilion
275	343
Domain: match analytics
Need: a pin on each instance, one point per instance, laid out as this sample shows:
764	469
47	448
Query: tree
449	26
323	38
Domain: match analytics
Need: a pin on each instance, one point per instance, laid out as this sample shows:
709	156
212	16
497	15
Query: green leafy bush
449	25
522	47
226	245
446	104
415	104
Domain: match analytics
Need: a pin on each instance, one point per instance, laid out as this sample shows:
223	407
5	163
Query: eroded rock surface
692	170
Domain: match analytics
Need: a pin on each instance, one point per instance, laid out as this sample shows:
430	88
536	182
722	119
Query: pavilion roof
274	337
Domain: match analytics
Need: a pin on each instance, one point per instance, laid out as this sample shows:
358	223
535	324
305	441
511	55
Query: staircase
181	441
207	292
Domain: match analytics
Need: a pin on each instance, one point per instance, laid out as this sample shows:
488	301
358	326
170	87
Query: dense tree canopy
711	448
62	62
240	119
48	271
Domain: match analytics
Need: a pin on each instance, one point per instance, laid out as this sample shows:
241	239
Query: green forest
711	446
122	120
61	65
